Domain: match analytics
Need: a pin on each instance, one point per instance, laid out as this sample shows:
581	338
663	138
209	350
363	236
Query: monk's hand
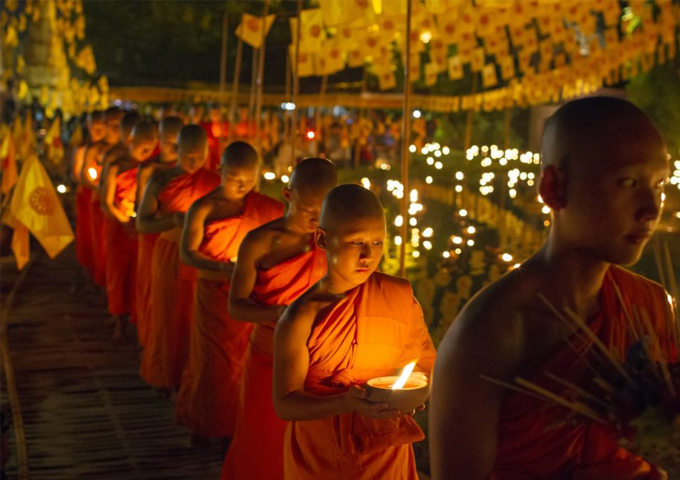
419	408
227	268
357	401
178	218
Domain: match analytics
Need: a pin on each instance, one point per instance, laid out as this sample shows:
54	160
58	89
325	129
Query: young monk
213	231
90	177
276	263
84	248
168	195
604	168
169	132
118	203
353	325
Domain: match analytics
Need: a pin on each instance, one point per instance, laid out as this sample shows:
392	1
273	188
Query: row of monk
268	325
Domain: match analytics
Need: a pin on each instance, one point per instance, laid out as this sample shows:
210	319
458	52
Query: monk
353	325
276	263
167	197
90	177
118	195
213	231
603	172
167	158
84	248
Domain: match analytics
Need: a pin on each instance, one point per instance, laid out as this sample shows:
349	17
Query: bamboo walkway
87	414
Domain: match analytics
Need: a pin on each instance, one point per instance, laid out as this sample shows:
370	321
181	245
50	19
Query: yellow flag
20	240
489	78
386	80
455	67
507	68
76	137
54	148
355	59
477	60
312	33
305	64
35	204
250	29
431	72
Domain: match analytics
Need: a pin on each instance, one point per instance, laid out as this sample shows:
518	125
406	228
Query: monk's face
141	150
238	181
613	194
113	130
168	145
305	207
97	131
192	158
353	248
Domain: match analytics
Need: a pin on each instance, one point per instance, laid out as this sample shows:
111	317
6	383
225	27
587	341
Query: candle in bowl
403	393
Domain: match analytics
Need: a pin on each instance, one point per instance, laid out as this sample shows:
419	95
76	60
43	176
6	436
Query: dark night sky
178	42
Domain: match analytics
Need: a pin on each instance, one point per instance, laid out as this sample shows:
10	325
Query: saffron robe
208	397
376	329
172	286
539	440
256	452
83	228
98	233
144	305
121	249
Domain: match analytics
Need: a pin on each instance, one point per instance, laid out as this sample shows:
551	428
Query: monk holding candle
168	195
84	248
603	173
213	231
167	158
90	178
118	195
276	263
354	325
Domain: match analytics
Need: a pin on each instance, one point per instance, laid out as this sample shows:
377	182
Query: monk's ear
320	237
286	192
552	188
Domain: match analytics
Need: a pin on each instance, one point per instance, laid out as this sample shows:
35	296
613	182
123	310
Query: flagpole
296	83
223	59
253	86
260	74
405	141
235	86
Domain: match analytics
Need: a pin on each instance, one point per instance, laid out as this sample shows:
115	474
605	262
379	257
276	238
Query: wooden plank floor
87	413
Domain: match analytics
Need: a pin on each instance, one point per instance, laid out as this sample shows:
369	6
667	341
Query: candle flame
405	373
92	172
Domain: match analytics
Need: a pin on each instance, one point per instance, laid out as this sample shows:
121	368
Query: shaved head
583	126
313	175
192	136
348	203
127	123
240	154
171	126
144	132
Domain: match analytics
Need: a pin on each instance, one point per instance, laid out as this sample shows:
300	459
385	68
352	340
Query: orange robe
98	233
121	250
172	286
256	452
84	228
208	397
377	328
144	306
538	440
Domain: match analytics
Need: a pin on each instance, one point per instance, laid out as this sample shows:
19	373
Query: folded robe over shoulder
375	330
172	286
121	250
84	228
539	440
256	451
208	398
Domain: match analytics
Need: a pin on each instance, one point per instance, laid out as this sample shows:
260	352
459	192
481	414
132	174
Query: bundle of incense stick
638	395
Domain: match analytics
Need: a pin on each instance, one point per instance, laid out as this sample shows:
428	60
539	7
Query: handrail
8	367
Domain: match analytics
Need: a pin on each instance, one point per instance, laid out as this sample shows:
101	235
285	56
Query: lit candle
399	384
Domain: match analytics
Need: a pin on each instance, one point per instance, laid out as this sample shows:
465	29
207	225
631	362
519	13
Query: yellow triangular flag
20	241
35	204
250	29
